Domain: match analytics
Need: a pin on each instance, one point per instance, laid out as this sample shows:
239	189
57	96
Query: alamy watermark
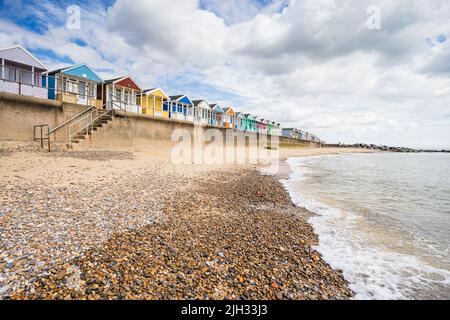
225	147
73	21
373	21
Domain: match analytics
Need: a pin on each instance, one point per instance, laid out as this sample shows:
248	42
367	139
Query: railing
118	103
58	89
41	137
89	127
70	120
21	76
70	124
182	111
87	121
154	106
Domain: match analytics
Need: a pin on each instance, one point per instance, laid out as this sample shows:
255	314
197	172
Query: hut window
118	94
69	85
38	79
10	74
125	97
82	89
25	76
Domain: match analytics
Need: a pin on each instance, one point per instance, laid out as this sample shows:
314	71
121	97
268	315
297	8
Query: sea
383	219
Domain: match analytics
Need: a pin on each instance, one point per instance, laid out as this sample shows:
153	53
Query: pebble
233	233
4	289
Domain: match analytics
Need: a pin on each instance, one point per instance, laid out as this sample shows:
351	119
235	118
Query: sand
67	221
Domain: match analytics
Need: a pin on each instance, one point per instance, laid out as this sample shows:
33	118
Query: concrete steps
97	125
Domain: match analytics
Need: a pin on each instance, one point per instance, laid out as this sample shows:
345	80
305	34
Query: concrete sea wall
18	115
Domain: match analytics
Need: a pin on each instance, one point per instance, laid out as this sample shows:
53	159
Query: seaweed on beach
5	153
94	155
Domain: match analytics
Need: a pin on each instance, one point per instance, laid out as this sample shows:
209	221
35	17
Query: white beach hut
21	73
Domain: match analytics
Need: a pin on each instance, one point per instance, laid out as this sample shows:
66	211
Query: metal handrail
89	124
71	119
118	103
80	120
41	138
102	115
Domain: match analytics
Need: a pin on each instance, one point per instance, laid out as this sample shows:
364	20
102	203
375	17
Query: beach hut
181	108
202	112
301	135
277	129
21	73
217	114
155	102
228	117
121	93
270	127
289	132
262	125
250	124
75	84
306	136
258	125
247	123
240	121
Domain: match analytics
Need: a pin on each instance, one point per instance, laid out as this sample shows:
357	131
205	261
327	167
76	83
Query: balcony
76	99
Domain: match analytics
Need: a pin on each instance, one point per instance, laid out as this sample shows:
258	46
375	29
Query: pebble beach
132	225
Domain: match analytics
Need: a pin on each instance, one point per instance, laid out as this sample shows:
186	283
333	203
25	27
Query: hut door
82	93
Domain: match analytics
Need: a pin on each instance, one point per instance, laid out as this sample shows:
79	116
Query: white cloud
311	64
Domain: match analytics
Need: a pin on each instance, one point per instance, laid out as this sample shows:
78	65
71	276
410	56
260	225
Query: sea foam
372	271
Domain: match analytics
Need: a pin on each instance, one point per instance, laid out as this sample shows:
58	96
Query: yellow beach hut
155	103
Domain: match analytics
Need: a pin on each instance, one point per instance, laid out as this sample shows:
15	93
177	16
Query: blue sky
308	64
39	20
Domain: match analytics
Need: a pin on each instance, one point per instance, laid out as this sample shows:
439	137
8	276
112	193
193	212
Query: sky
346	70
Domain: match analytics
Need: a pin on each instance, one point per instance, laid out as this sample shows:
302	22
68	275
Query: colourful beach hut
265	126
250	124
75	84
121	93
202	112
306	136
21	73
155	102
258	126
228	117
217	114
277	129
293	133
181	108
270	127
240	121
261	126
287	132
